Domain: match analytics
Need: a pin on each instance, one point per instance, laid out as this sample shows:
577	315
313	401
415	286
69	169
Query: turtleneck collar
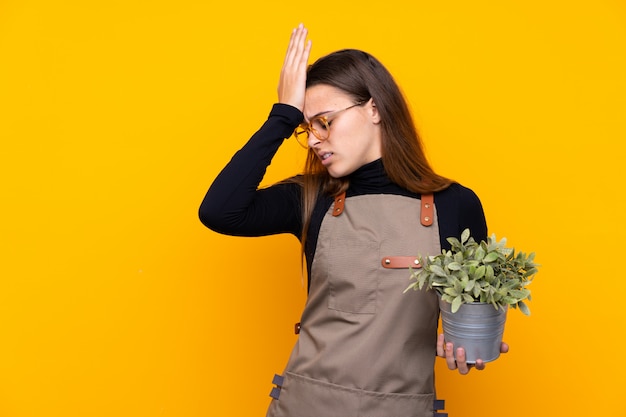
370	177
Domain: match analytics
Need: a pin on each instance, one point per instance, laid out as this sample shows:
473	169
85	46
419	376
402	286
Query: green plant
486	272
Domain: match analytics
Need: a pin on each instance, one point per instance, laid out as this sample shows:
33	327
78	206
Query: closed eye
320	123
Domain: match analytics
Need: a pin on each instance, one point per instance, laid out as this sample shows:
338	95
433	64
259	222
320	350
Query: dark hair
362	76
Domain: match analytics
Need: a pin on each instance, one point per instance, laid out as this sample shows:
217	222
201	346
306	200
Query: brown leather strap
427	207
340	202
428	210
400	262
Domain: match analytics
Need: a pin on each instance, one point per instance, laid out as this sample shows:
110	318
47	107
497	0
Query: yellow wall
116	115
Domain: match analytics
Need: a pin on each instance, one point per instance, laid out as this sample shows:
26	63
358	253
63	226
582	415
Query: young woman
366	205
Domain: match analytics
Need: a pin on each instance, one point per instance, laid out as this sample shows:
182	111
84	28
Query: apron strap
427	209
340	201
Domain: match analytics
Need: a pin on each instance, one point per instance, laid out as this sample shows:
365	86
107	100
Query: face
354	137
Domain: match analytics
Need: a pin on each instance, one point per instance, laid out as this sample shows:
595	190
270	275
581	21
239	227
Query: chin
339	173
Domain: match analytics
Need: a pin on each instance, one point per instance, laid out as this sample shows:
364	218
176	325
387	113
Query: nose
313	141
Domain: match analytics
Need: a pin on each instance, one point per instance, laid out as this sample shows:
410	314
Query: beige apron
365	349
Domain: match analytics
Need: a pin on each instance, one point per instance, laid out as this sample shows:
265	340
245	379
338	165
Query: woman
367	203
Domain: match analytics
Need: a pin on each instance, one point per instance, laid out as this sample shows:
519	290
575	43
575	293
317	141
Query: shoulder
458	208
457	195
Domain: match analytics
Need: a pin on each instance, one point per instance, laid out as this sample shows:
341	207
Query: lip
325	157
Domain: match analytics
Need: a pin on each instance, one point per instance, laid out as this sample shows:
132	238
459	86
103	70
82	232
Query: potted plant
476	283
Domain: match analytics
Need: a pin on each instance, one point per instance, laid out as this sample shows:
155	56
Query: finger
504	348
290	49
292	80
480	365
304	58
463	367
296	45
291	46
296	58
450	356
441	351
303	49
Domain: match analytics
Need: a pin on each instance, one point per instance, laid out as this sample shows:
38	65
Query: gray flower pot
476	327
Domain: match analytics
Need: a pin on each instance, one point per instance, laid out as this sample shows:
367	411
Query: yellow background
115	116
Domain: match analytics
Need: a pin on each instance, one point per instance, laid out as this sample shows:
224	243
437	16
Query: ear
373	111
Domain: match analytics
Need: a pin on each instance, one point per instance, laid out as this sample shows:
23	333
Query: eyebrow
320	114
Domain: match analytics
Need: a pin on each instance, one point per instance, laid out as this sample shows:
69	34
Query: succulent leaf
485	271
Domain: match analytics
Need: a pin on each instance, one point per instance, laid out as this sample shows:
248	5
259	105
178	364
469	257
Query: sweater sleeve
461	208
235	205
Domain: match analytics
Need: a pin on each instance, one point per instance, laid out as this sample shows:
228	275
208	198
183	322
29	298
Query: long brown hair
362	76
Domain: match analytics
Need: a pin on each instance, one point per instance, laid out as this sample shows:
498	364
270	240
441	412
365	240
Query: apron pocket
353	276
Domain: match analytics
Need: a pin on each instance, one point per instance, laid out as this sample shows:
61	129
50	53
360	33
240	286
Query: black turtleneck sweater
235	205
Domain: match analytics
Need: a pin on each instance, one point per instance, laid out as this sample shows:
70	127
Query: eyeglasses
319	126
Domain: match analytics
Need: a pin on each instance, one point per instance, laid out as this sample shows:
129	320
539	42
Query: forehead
324	98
